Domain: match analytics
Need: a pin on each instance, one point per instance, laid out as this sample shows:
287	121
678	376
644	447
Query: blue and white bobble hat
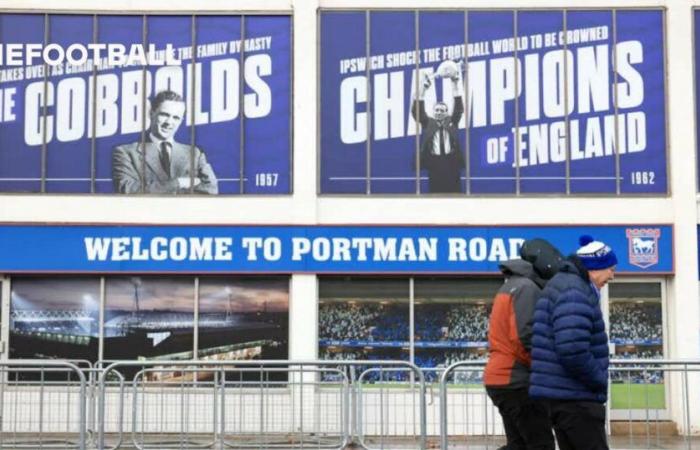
595	255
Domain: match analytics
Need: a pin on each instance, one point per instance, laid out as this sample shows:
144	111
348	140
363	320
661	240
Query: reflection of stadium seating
635	322
443	359
391	324
65	322
634	376
366	321
375	321
375	354
345	321
430	321
468	323
434	322
148	320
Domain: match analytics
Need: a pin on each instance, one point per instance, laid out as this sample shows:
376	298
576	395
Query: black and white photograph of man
440	150
168	167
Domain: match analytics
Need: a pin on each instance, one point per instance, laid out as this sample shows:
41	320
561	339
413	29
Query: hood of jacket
522	268
574	265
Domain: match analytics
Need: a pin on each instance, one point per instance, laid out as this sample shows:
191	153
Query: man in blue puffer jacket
570	347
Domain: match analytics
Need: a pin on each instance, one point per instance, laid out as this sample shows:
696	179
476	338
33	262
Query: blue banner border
305	230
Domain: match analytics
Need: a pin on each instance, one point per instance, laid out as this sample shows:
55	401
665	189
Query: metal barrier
472	419
259	404
389	408
115	387
42	404
323	404
657	392
472	413
645	393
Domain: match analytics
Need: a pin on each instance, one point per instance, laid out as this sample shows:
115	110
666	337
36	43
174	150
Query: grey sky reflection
177	294
246	295
56	294
155	293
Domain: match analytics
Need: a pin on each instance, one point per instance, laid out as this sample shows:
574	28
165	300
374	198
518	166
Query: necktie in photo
442	140
165	157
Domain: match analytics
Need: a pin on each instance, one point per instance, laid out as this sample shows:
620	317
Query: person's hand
427	81
184	182
449	69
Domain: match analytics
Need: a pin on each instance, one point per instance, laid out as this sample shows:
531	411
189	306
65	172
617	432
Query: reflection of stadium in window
371	321
54	318
622	375
374	321
243	318
149	317
635	322
468	323
636	329
445	332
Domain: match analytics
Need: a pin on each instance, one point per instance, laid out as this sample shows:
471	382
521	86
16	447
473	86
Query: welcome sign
311	248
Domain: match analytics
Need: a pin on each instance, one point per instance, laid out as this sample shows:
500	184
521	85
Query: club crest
643	246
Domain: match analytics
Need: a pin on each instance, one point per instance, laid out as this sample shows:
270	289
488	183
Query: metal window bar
241	109
368	84
193	102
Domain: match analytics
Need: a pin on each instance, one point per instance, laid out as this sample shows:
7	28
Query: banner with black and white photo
539	101
145	104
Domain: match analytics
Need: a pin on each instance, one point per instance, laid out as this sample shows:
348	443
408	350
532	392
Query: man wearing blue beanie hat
570	347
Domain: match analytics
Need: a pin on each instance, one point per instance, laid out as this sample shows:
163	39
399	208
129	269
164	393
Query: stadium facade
337	230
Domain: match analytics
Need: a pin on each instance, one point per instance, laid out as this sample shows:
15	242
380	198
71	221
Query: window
637	331
370	318
243	318
477	102
365	318
149	318
54	318
451	323
216	89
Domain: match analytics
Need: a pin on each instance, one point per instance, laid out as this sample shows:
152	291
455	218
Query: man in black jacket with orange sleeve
526	421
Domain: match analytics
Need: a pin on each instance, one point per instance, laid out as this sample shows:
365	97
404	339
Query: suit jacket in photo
444	170
127	170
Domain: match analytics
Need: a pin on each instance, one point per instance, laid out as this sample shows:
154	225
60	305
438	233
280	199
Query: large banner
488	102
145	104
314	249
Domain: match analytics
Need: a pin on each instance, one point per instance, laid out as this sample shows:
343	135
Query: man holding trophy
440	150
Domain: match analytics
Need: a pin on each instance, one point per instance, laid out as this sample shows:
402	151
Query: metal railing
648	403
300	404
114	387
642	391
42	404
260	404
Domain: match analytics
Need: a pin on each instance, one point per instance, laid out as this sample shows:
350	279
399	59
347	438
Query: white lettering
97	248
457	249
300	246
252	244
222	249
